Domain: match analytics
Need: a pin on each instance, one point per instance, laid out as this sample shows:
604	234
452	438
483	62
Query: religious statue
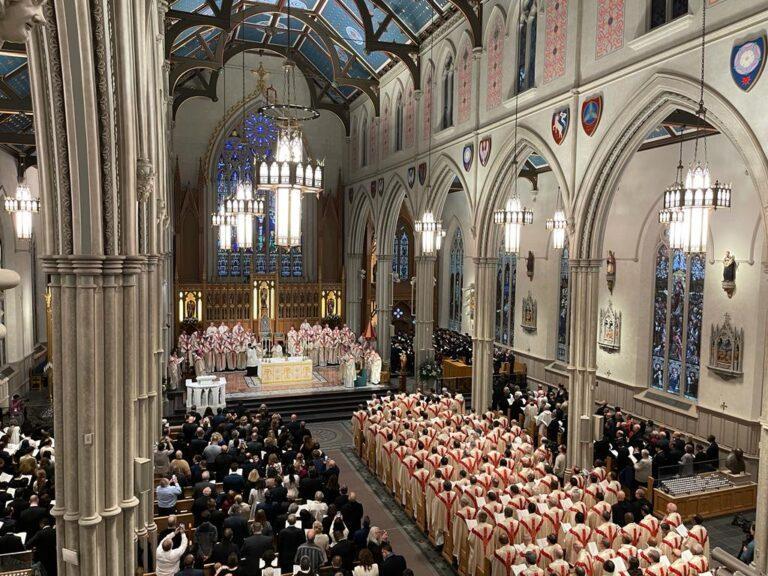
729	273
18	18
530	263
735	462
610	271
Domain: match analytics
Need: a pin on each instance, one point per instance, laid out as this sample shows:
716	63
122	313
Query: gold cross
261	82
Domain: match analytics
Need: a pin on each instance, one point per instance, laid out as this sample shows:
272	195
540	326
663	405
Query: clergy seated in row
490	493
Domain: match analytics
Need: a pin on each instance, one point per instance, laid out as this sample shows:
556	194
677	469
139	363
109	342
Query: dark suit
239	527
352	512
288	541
190	572
10	543
29	520
618	511
346	549
393	565
252	551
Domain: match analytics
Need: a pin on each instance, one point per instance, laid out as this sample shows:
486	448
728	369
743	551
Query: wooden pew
187	519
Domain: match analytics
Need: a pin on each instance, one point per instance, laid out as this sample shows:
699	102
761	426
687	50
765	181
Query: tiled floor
723	534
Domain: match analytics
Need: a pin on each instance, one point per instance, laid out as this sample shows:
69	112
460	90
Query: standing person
288	541
366	566
393	564
167	557
560	462
167	493
17	410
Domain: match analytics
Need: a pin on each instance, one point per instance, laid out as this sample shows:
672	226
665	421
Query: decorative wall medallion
422	173
729	273
528	322
530	264
484	150
747	62
468	155
591	113
380	186
610	271
609	335
726	346
561	120
411	177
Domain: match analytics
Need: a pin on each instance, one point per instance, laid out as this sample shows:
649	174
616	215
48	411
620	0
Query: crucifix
261	80
723	406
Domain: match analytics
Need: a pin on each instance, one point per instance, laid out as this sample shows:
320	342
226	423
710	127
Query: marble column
425	309
90	98
384	307
582	368
482	337
354	291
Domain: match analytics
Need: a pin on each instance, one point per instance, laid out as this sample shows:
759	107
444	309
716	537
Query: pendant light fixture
675	217
699	196
514	215
22	206
431	230
558	225
289	173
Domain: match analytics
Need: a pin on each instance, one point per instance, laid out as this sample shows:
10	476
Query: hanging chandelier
432	233
557	225
686	206
22	206
514	215
289	173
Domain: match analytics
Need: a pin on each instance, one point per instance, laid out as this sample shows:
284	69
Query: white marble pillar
482	337
425	309
582	367
384	306
354	291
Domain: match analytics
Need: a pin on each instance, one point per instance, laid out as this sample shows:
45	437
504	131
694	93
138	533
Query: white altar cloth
206	392
285	370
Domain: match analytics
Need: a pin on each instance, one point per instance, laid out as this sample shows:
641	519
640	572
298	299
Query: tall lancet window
448	91
678	309
364	143
563	337
506	282
526	46
455	299
401	253
399	114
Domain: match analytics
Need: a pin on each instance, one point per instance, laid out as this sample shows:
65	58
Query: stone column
761	519
384	306
354	291
425	309
482	338
582	367
88	86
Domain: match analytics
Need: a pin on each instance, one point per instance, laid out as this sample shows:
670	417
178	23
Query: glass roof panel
416	14
317	57
352	32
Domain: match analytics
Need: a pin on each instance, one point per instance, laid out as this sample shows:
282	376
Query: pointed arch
444	171
661	95
360	212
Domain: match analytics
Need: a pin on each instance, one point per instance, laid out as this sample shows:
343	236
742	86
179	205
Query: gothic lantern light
432	233
22	206
557	225
514	215
698	195
289	173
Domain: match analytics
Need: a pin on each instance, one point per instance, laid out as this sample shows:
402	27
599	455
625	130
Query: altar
206	392
277	371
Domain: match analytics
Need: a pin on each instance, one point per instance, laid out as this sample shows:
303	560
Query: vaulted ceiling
341	46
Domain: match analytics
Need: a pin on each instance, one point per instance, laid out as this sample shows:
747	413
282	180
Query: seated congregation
492	491
241	494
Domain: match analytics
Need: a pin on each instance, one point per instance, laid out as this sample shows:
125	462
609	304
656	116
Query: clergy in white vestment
199	365
277	351
375	367
292	342
211	330
174	371
304	333
253	357
348	372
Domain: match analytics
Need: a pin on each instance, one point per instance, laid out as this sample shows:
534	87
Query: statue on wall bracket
18	18
529	319
610	271
729	273
726	349
609	336
530	264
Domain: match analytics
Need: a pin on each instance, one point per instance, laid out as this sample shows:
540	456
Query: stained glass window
259	134
448	88
678	308
506	282
526	47
401	253
563	337
457	282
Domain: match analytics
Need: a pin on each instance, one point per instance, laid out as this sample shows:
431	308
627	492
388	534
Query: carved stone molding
145	179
